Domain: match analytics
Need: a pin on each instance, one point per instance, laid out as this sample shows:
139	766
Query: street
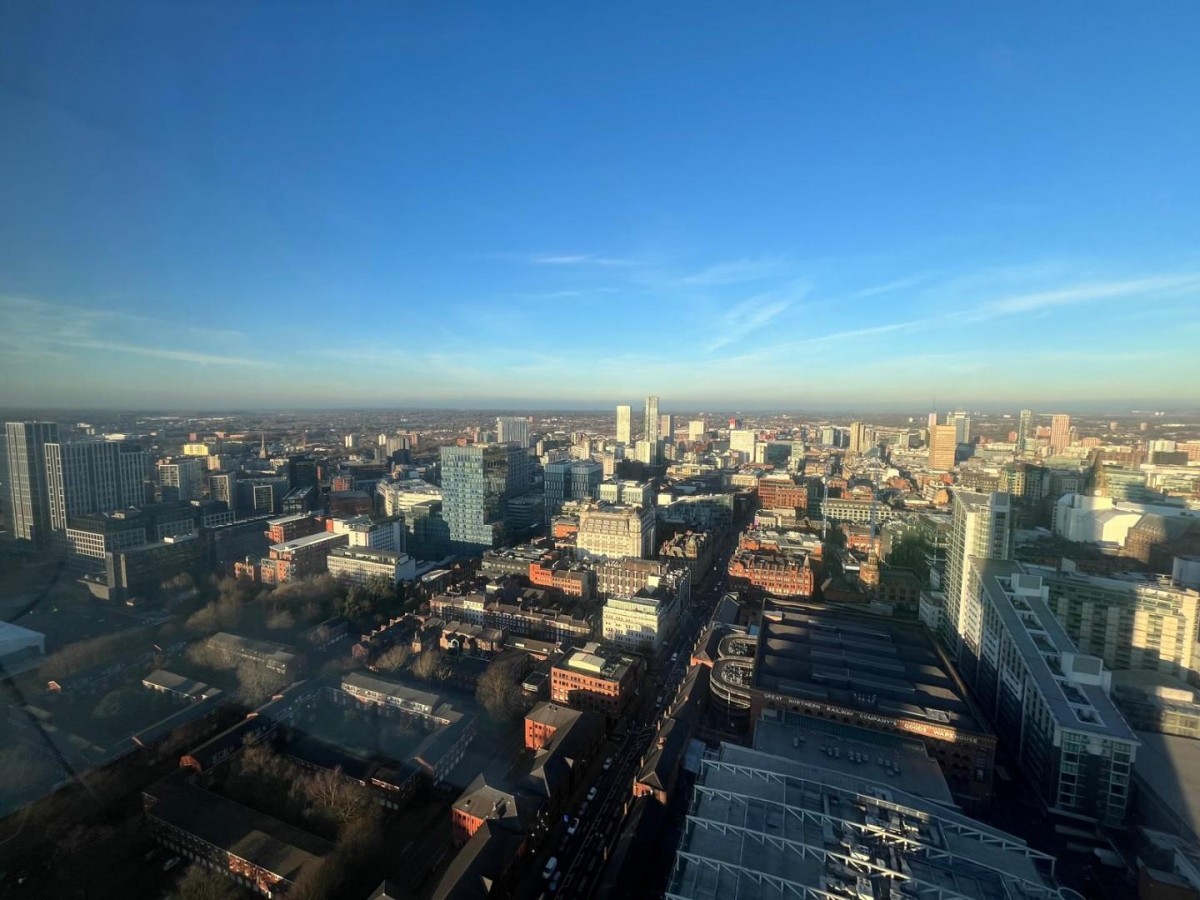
582	857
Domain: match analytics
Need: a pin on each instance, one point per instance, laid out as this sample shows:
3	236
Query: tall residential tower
28	493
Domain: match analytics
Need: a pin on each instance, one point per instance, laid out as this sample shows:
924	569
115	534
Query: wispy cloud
191	356
891	287
1089	292
739	271
746	318
569	259
56	330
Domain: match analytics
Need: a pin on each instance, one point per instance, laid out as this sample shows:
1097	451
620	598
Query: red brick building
778	493
774	573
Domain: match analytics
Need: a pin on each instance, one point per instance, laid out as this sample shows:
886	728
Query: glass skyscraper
28	494
477	483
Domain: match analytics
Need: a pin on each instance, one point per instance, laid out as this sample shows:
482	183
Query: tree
199	883
257	683
394	659
336	797
427	665
203	621
355	605
498	690
281	620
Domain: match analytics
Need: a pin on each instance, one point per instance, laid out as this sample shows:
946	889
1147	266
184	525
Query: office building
697	430
91	477
666	428
652	434
1026	433
647	617
513	430
629	493
138	571
1049	703
570	479
743	440
477	483
300	558
861	437
595	680
222	486
180	479
616	531
962	427
370	534
943	446
621	577
981	528
762	826
28	506
625	425
1060	433
358	565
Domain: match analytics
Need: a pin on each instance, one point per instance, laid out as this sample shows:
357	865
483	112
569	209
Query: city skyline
920	203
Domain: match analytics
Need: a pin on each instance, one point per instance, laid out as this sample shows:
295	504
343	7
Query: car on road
573	827
551	867
553	885
608	764
591	795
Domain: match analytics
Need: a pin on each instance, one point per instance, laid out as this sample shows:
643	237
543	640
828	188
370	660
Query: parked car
591	795
608	764
553	886
573	827
551	866
170	863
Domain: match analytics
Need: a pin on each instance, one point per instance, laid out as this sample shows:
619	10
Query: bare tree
498	690
395	659
257	683
336	796
427	665
199	883
203	621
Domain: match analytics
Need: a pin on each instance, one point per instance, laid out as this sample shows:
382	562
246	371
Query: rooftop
885	759
607	666
1069	681
321	537
868	664
761	826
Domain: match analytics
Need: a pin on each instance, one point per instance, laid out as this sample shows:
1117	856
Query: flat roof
171	681
321	537
886	759
388	688
1041	642
864	663
286	520
756	820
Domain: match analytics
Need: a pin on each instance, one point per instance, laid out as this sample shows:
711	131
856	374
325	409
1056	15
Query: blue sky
784	204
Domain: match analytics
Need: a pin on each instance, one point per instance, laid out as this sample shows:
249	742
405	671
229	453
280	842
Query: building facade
477	483
1049	703
980	528
93	476
28	506
616	531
